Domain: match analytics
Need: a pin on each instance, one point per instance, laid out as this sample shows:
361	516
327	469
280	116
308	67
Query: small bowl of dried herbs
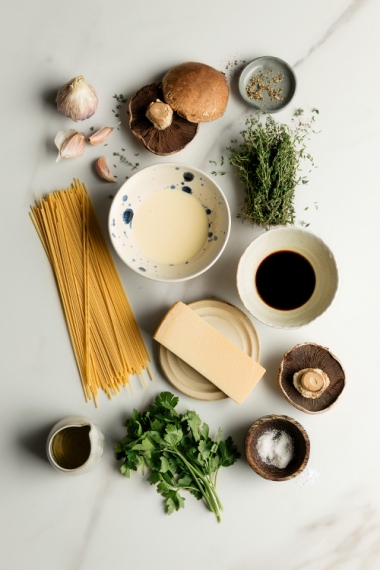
268	84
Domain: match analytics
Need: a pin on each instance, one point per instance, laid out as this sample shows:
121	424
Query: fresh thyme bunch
268	164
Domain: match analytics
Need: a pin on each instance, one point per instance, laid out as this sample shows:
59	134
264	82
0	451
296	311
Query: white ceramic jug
74	445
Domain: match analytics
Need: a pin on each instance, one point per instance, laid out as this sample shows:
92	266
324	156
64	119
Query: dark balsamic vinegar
285	280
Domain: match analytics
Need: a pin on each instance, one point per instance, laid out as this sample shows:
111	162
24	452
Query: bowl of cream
169	222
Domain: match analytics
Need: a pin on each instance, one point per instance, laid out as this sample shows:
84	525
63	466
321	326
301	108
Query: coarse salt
275	447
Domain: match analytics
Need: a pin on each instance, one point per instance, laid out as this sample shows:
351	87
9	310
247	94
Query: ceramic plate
229	321
277	75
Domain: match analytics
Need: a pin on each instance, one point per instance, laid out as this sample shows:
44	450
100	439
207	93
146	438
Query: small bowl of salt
277	447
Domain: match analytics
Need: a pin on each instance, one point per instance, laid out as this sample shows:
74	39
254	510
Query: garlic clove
103	171
100	136
77	99
61	136
70	144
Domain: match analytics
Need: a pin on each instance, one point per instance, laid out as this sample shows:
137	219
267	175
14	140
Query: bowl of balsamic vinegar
287	277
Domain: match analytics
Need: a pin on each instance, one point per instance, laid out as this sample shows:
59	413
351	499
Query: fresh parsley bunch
178	451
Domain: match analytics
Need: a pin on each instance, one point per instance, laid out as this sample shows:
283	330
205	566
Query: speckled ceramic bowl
174	182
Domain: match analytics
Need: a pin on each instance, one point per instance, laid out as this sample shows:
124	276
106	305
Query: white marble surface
329	518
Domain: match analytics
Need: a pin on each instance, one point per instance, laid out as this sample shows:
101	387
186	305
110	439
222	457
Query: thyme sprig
124	159
215	172
267	162
120	99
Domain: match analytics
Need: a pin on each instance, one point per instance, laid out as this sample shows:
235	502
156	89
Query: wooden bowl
301	447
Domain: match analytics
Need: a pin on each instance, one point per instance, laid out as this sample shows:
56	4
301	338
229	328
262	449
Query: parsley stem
213	503
210	484
206	494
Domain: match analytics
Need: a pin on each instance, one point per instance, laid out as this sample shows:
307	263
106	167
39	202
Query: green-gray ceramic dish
275	84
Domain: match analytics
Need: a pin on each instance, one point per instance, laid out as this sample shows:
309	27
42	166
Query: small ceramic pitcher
74	445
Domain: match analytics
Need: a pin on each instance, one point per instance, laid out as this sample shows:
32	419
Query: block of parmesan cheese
192	339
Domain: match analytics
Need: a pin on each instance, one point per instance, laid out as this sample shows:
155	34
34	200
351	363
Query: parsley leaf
166	400
194	421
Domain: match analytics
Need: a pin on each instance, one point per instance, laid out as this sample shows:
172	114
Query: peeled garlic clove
77	99
103	170
70	144
100	136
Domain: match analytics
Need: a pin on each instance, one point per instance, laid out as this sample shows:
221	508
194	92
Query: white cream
170	226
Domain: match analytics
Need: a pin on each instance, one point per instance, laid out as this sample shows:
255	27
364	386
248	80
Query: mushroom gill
161	141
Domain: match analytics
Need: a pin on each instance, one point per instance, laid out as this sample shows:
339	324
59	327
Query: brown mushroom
196	91
311	378
168	133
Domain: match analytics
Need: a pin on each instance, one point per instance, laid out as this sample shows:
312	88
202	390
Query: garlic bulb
70	144
103	171
77	99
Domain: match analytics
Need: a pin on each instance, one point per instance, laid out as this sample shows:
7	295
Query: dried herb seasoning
268	162
265	81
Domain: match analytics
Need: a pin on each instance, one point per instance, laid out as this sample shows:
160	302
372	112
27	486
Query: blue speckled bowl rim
187	167
286	101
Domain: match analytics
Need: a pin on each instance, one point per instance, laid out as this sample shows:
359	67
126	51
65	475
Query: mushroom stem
311	382
160	114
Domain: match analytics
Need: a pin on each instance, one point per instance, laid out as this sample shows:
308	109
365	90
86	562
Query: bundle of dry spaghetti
104	333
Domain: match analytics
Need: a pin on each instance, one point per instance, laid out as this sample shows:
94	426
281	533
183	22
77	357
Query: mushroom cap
311	355
196	91
162	142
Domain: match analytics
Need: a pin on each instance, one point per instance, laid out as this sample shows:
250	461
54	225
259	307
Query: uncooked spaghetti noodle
106	339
